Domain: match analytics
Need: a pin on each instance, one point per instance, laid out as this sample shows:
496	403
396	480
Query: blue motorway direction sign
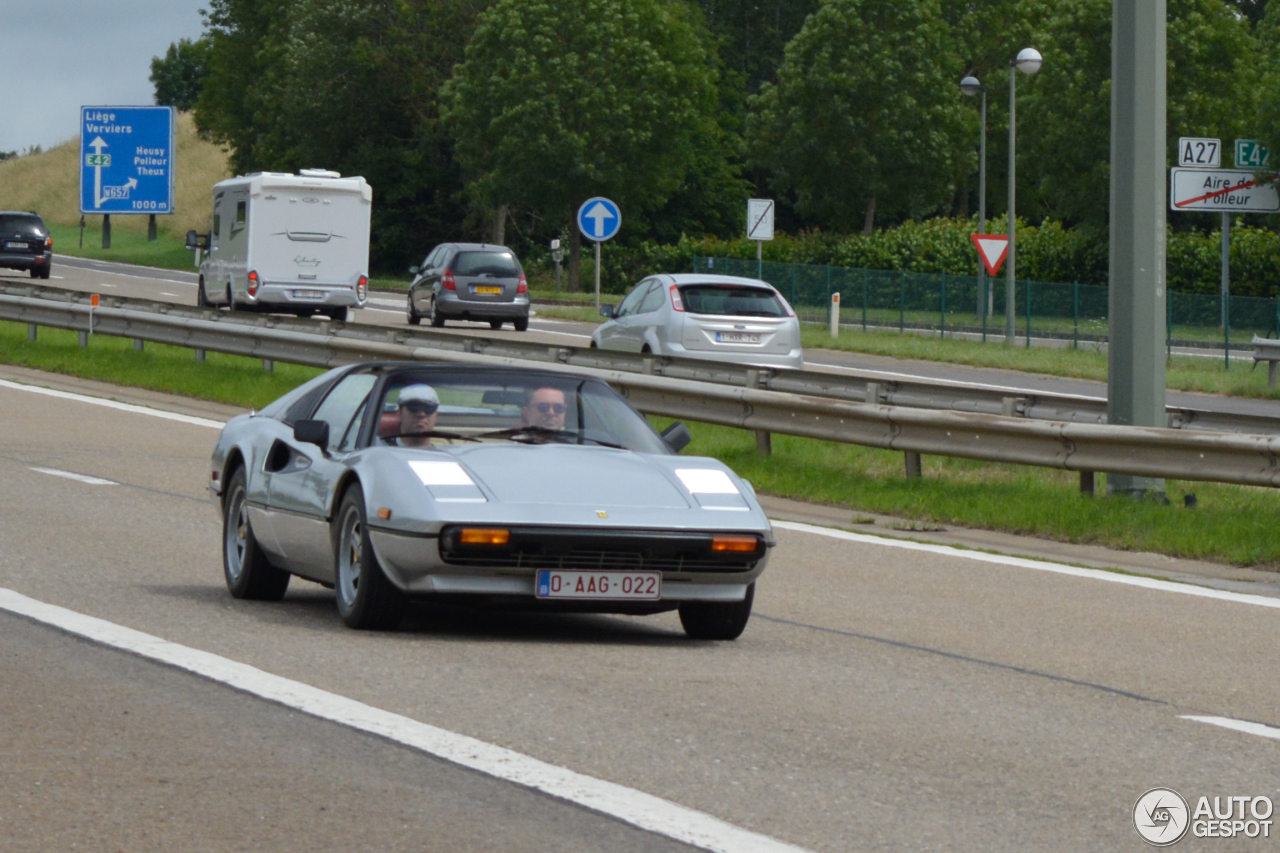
599	219
126	159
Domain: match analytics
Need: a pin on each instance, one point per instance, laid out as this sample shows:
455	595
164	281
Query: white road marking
639	809
383	310
1238	725
164	293
71	475
112	404
58	277
1038	565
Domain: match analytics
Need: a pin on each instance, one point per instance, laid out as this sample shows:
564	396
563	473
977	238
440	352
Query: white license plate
308	294
11	245
642	586
737	337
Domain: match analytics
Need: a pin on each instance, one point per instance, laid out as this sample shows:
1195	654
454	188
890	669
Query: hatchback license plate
486	288
308	294
12	245
642	586
737	337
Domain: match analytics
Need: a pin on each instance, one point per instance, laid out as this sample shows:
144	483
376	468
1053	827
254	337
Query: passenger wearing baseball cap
417	408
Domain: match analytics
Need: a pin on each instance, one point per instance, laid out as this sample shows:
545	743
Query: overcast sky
59	55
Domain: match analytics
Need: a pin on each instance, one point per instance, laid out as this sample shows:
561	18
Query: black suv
25	243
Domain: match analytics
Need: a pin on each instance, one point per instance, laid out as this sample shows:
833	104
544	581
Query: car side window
343	404
432	258
652	300
633	299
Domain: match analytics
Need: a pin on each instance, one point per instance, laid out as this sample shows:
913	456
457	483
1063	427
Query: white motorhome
295	244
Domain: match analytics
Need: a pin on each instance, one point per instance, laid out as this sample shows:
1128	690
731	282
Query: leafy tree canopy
866	117
179	75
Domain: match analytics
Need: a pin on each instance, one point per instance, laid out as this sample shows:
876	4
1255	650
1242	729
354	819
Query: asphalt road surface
389	309
884	697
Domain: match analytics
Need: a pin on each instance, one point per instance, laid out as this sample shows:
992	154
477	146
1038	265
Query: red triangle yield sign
993	249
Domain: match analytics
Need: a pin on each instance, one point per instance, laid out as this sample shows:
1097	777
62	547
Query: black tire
414	317
202	299
592	345
495	324
338	315
231	300
717	620
437	319
366	598
245	567
522	324
46	272
35	273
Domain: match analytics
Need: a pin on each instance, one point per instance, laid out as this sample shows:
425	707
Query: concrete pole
1010	306
1135	351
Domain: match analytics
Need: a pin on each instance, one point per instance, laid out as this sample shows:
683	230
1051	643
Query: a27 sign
1196	151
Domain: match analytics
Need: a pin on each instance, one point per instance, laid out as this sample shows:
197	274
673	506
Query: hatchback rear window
24	223
479	263
731	301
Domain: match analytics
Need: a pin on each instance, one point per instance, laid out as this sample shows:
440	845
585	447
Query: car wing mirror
312	432
413	270
607	311
197	241
677	436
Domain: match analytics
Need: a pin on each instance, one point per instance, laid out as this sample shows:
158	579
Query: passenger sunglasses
558	408
419	408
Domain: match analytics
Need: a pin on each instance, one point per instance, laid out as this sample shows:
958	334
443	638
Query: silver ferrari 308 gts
499	487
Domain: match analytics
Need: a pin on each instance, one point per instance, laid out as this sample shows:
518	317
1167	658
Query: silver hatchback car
717	317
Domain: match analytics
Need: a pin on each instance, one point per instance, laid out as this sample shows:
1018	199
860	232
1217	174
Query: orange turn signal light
734	543
384	513
484	536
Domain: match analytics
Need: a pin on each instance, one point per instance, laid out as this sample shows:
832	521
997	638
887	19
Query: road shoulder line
1038	565
639	809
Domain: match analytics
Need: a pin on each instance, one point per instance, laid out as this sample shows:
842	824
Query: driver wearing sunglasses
545	408
417	410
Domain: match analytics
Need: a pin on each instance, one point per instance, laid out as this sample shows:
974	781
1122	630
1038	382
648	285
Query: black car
25	243
470	281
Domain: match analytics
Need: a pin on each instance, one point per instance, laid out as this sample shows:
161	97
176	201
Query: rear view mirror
677	436
606	311
312	432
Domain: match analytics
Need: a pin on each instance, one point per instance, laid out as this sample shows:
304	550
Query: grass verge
1232	524
127	247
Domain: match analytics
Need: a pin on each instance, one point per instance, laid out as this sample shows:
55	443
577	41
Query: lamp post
972	86
1027	61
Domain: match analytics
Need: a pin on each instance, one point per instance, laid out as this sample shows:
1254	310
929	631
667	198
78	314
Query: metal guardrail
849	384
1085	447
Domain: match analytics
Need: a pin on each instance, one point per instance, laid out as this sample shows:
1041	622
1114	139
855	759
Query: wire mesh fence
953	305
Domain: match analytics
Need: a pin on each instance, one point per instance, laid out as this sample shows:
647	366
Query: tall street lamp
971	86
1027	61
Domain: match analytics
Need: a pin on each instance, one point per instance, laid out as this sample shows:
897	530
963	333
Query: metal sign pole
1226	289
1136	296
1010	281
597	275
760	259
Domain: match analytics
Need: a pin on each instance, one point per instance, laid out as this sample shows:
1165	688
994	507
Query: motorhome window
492	263
240	211
217	225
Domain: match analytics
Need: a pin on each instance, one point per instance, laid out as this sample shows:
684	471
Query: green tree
350	85
866	118
561	100
179	75
1064	165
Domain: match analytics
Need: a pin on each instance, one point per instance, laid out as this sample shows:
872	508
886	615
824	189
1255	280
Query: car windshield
442	406
21	223
482	263
731	300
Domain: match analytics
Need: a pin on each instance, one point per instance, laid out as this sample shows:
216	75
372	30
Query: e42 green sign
1250	154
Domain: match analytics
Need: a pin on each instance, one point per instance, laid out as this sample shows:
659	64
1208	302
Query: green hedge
1047	252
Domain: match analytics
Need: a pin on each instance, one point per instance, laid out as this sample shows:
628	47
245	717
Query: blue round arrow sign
599	219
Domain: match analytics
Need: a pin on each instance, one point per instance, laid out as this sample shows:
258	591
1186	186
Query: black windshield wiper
432	433
543	435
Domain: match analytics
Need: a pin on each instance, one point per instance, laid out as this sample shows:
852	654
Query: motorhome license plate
486	288
737	337
308	294
640	586
12	245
